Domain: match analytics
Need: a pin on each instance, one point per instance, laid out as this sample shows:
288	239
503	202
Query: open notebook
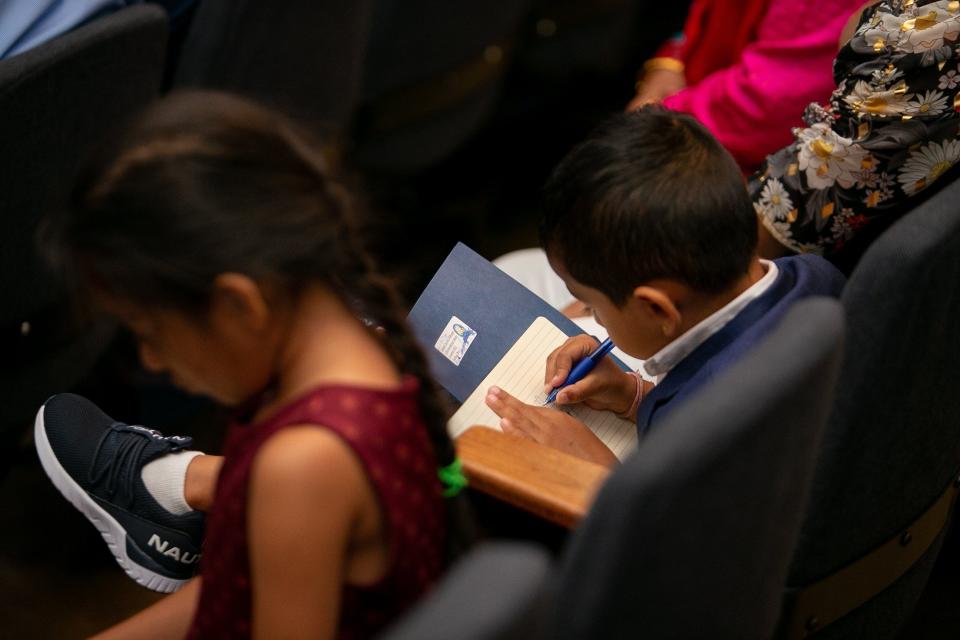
520	373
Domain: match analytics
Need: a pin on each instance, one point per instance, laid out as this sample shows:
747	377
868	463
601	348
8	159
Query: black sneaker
95	462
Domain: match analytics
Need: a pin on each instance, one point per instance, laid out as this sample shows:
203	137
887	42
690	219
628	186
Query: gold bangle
664	64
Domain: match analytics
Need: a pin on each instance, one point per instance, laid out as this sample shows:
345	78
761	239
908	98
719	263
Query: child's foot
96	464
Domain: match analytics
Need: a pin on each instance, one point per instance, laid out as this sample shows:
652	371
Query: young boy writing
649	224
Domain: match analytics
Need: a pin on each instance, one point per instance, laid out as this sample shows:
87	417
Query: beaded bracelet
664	64
637	399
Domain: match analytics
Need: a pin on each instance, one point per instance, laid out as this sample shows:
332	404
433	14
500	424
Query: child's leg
183	481
129	481
200	481
165	479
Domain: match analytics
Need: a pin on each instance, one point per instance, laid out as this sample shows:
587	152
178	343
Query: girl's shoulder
309	482
353	445
305	458
326	403
310	513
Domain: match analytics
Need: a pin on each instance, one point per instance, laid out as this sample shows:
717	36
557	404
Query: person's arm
169	618
606	388
307	494
851	27
661	78
751	106
548	427
662	75
852	169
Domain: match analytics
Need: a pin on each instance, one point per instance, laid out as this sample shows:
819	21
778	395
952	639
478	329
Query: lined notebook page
520	373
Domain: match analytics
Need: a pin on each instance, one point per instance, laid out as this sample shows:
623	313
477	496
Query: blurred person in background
747	68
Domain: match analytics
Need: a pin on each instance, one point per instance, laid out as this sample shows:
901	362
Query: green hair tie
452	478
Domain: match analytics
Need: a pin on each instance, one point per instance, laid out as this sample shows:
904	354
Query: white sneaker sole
113	534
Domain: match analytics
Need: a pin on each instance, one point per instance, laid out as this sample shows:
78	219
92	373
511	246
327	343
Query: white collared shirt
659	364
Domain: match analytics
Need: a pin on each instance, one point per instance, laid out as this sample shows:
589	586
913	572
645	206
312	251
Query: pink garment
752	106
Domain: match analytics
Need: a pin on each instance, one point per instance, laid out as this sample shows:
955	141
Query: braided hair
204	183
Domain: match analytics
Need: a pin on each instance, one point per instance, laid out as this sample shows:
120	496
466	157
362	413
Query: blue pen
582	368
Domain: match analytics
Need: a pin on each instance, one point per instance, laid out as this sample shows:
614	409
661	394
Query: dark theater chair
56	101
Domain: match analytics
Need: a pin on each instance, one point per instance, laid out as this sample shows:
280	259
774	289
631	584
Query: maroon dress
386	432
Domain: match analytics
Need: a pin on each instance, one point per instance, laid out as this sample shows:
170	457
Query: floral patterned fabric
888	134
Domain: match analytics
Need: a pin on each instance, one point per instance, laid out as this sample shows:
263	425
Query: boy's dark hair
649	194
205	183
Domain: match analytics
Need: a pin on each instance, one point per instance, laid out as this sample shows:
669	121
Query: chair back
432	76
691	537
891	451
56	101
303	57
573	39
494	593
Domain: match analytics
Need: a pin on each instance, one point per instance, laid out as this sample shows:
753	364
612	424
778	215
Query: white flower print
828	158
774	200
866	179
949	80
931	103
927	164
782	231
887	183
815	113
840	225
887	76
880	192
875	197
865	99
915	30
936	55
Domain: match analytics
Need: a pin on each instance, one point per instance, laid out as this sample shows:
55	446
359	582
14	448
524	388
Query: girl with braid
216	233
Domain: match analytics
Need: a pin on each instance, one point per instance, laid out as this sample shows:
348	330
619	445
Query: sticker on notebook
455	340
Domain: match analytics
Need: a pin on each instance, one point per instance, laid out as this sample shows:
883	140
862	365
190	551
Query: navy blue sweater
799	277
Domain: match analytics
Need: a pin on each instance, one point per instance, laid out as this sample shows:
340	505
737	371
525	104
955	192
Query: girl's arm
168	618
308	499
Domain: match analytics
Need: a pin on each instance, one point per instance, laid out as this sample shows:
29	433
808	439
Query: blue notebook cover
486	301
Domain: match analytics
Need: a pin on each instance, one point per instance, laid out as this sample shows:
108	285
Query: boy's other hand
577	309
549	427
606	388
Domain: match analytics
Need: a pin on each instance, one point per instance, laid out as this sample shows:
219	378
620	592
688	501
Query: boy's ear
661	308
239	297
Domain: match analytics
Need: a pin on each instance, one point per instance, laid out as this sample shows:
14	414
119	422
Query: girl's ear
660	307
237	297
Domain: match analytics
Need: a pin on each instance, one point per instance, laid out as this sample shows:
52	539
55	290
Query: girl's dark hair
649	194
205	183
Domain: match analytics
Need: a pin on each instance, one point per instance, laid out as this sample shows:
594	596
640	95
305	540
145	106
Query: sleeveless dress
386	432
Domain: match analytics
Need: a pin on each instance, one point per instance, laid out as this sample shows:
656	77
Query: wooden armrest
546	482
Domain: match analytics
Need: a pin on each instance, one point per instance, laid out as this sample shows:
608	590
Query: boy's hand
548	427
576	309
607	387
